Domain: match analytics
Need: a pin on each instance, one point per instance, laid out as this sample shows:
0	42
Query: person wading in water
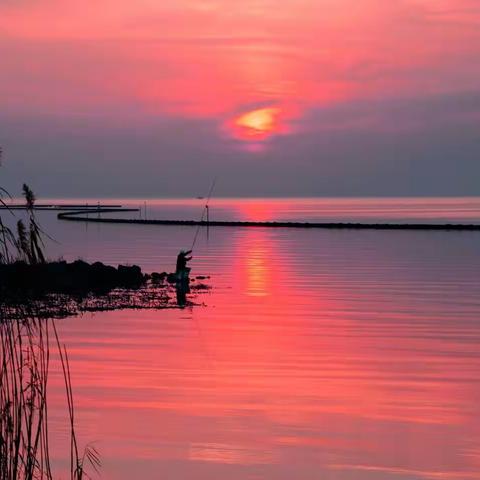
182	270
181	273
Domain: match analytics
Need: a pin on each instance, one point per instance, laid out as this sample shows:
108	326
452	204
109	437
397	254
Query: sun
259	121
258	124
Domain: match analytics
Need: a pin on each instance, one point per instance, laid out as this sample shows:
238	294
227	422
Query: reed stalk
25	343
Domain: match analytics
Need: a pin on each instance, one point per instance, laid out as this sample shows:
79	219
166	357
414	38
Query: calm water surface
329	354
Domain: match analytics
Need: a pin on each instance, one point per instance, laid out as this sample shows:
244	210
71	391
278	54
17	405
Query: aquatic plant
25	341
34	251
24	367
24	451
7	239
23	245
5	232
28	243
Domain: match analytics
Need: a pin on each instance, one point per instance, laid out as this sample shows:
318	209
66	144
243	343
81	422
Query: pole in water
87	209
205	211
208	224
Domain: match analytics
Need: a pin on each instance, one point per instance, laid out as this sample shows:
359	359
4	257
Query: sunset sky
286	97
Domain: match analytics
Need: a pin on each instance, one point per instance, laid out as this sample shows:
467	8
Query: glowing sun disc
258	124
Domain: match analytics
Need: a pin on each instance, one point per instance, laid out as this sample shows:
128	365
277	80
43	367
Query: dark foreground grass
25	348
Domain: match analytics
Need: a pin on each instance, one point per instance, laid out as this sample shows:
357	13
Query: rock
62	277
171	278
158	277
200	286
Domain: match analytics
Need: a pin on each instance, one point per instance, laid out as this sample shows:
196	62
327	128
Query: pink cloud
217	59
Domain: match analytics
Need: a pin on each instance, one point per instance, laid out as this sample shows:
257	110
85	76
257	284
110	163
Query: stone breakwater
79	216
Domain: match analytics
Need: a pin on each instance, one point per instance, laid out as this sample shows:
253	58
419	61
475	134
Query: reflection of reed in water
24	368
27	328
27	313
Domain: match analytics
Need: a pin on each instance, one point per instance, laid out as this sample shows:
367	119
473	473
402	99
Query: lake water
318	354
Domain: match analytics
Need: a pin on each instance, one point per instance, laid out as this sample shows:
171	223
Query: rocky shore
73	278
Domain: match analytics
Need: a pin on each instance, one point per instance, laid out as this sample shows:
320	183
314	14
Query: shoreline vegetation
70	288
28	337
28	341
34	292
63	289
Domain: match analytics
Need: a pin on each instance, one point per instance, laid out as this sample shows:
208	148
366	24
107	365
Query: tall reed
28	243
25	342
25	348
7	238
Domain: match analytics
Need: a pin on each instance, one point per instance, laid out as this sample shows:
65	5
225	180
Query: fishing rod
205	209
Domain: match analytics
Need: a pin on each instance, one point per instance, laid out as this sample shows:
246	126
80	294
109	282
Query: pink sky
218	60
214	58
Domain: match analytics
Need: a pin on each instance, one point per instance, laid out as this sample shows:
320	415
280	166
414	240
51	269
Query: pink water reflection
319	354
363	209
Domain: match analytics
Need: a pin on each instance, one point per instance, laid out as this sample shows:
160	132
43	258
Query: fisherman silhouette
182	289
181	272
182	259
